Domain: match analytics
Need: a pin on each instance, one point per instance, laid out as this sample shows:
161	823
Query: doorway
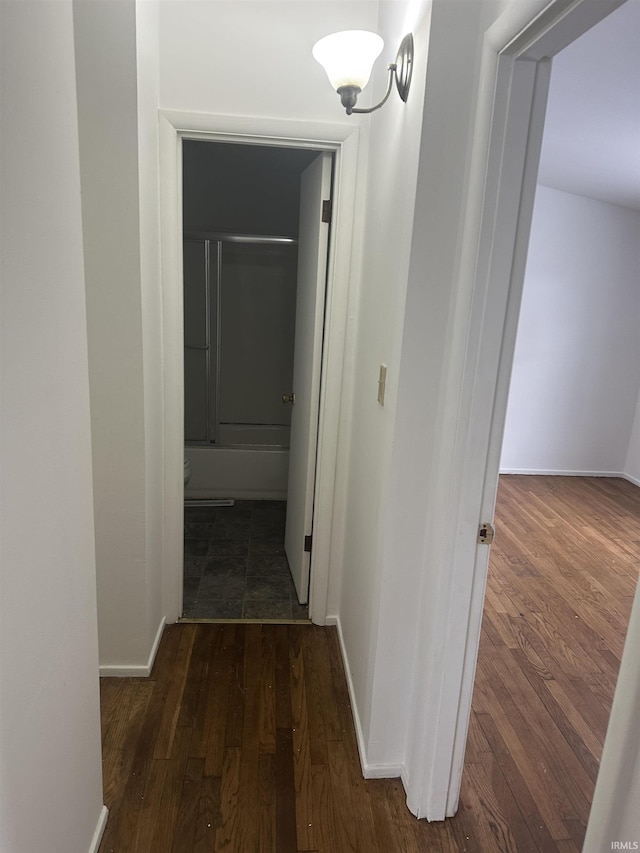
559	587
499	201
254	312
342	141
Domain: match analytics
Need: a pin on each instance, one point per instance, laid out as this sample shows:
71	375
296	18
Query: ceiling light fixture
348	58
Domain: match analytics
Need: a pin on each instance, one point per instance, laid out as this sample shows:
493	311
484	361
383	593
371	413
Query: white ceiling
591	141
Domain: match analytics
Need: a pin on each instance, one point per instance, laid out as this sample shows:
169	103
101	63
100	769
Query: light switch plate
382	383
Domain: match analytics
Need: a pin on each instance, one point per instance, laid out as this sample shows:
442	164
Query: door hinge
326	210
307	543
486	534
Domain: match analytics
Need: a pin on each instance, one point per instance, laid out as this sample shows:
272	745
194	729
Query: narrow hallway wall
114	102
50	772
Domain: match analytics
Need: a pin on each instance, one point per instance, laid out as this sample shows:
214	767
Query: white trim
383	771
550	472
133	671
544	472
99	831
253	130
369	771
498	207
344	141
362	750
156	643
136	670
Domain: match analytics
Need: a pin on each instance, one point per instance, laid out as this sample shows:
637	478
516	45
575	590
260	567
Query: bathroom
240	227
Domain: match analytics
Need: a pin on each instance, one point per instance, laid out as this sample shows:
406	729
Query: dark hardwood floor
242	739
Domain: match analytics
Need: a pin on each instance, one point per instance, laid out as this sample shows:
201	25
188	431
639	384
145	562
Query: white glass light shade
348	57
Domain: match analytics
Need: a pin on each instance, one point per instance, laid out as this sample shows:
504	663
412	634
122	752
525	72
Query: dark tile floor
234	563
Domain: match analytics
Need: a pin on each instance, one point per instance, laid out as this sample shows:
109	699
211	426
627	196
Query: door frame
314	234
344	142
511	107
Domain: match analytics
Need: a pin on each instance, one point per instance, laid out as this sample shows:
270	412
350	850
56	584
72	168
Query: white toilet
187	472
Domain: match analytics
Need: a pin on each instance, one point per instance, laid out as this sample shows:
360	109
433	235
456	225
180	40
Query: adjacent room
564	564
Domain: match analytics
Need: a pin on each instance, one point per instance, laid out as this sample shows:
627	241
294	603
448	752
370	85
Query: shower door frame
211	404
343	141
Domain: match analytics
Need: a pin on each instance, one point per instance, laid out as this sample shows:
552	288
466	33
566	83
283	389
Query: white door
313	241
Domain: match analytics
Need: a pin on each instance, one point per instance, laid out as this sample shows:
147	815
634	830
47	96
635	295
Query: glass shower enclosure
239	325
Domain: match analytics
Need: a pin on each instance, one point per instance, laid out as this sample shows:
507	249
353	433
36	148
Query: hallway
243	740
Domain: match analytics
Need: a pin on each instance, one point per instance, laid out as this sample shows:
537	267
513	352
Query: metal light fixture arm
392	71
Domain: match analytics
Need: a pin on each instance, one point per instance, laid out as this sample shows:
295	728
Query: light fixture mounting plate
404	66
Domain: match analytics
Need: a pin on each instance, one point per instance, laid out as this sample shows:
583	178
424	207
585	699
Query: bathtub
243	473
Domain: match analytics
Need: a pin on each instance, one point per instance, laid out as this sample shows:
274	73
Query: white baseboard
369	771
156	644
100	827
362	752
382	771
543	472
136	670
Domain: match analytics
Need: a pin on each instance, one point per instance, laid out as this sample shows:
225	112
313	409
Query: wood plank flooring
242	740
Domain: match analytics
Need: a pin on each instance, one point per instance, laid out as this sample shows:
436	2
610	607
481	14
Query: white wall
50	773
199	67
575	383
116	129
375	593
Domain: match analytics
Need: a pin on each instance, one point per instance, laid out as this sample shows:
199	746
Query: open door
313	242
